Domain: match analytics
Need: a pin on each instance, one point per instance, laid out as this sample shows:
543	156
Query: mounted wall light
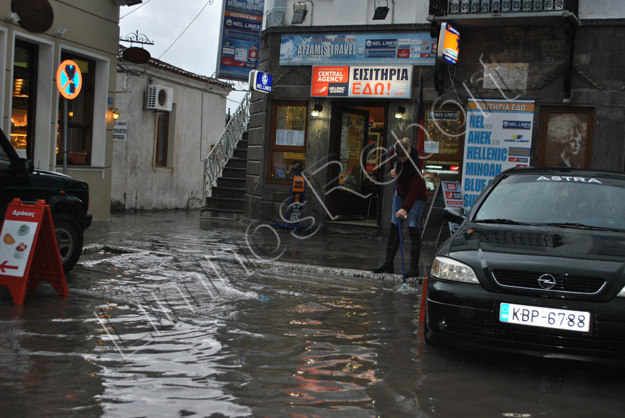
299	13
400	112
60	32
380	11
115	114
13	18
316	110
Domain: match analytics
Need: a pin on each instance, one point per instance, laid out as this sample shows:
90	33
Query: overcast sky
162	21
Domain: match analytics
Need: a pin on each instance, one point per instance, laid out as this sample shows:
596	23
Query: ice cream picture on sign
19	251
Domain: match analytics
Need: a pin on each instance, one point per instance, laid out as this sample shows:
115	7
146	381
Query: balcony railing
468	7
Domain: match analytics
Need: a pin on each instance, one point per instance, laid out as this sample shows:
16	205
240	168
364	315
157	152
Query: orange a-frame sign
28	250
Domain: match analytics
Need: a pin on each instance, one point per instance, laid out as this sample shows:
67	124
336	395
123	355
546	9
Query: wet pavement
173	316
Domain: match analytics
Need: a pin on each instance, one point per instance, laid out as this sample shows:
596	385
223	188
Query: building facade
563	57
33	43
168	121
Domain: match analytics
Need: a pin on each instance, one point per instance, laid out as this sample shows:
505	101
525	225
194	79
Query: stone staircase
229	194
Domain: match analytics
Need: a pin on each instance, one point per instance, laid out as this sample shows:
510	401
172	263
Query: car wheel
69	238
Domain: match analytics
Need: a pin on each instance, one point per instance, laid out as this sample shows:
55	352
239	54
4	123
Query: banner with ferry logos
417	48
498	137
379	82
239	45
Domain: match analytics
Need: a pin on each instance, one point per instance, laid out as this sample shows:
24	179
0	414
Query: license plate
545	317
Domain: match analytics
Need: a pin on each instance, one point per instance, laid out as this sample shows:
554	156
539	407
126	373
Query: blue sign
239	46
260	81
374	48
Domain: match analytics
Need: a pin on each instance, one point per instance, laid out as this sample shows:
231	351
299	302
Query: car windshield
540	200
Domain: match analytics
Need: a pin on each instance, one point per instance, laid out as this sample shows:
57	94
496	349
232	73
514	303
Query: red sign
323	77
28	250
403	53
227	61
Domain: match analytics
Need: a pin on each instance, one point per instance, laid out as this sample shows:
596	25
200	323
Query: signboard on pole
374	48
377	82
28	250
69	79
498	137
453	198
239	44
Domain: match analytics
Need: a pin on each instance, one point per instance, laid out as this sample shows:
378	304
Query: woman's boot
391	250
415	252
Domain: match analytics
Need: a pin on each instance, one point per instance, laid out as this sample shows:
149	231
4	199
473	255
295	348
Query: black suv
68	199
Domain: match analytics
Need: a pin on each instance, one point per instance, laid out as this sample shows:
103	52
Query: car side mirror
453	215
24	165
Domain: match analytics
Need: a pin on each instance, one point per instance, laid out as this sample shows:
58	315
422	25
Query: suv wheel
69	238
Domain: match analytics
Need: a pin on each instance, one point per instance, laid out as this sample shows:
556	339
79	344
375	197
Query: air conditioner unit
159	98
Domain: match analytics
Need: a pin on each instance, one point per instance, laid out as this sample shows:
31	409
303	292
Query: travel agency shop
340	96
527	91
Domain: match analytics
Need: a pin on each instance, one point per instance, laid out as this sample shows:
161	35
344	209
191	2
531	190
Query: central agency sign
384	82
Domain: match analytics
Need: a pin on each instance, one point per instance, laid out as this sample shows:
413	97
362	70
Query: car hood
532	251
51	178
580	244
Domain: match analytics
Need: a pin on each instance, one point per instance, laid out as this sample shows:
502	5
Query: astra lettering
569	179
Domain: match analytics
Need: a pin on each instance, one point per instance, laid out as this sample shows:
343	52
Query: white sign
15	246
505	76
498	137
431	147
290	138
120	130
380	82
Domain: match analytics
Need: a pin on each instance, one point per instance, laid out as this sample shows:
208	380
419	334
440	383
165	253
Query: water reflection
168	330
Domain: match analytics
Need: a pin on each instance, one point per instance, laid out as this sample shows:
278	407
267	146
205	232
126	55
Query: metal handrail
225	146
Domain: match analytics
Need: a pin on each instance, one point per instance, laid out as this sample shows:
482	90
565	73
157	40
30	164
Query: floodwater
169	316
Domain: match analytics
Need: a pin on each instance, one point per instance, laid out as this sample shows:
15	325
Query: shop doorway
355	133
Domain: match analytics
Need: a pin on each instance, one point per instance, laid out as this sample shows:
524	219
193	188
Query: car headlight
621	294
447	269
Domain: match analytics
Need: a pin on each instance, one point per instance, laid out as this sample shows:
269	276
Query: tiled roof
171	68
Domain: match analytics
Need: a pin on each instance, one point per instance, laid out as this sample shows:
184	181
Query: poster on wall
239	45
498	137
376	82
417	48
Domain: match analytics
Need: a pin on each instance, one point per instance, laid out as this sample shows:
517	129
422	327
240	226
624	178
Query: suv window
5	161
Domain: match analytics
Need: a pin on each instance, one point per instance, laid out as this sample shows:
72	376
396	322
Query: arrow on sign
5	266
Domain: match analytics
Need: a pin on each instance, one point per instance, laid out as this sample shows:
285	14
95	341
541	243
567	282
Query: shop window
565	137
24	88
287	151
443	146
79	115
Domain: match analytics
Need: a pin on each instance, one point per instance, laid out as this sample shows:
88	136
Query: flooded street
171	316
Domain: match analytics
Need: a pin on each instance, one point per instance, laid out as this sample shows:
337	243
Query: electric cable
209	2
134	10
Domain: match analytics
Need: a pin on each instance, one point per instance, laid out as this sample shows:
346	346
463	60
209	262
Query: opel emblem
547	281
